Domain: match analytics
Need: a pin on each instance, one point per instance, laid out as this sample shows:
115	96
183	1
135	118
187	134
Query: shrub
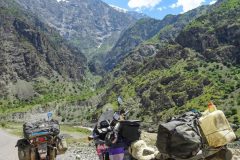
234	111
3	124
235	120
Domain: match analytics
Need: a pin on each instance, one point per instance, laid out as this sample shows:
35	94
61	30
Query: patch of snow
213	2
99	45
119	9
63	0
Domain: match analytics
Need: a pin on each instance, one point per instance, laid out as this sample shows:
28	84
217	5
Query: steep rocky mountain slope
41	65
33	57
90	25
144	29
199	65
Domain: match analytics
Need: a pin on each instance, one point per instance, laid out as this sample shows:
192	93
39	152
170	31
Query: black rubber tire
24	149
34	155
228	154
24	154
52	153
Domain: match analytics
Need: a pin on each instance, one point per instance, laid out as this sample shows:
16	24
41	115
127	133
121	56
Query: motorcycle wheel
33	155
52	153
24	153
24	149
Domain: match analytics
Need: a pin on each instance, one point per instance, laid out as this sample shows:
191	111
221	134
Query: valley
76	62
166	68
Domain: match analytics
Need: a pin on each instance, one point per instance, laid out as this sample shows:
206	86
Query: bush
3	124
234	111
236	120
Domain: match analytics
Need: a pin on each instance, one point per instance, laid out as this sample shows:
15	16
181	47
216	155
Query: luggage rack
34	137
130	121
37	134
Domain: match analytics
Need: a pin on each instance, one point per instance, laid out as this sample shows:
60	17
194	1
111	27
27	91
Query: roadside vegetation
73	134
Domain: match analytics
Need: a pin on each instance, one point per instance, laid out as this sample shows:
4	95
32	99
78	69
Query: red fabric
101	149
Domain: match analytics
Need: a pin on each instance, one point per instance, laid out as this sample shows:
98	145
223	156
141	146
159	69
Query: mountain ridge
91	25
146	29
33	58
160	78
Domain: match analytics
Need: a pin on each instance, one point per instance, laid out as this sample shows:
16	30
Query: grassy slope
76	134
214	80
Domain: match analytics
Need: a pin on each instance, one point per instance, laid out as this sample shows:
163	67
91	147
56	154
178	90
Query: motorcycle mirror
116	116
49	115
119	100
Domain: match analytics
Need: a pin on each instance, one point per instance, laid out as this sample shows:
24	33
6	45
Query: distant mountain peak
119	9
90	25
63	0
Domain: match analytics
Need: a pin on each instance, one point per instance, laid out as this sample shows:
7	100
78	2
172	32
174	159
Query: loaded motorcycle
41	141
113	134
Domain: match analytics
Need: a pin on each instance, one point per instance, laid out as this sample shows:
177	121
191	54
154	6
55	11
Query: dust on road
8	151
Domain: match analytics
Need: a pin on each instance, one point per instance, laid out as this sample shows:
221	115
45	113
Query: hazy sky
159	8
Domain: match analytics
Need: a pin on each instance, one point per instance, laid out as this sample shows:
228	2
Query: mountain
33	58
134	14
129	39
90	25
137	15
144	29
216	35
162	78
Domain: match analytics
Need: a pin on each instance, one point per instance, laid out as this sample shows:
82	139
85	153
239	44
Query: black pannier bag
180	137
24	149
62	145
130	130
41	127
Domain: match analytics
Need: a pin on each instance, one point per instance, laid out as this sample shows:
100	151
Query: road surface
8	151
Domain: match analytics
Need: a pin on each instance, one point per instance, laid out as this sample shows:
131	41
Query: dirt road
8	151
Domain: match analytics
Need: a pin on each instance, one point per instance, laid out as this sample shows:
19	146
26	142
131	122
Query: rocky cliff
29	50
165	30
90	25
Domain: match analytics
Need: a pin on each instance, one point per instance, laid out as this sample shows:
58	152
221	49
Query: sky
159	8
